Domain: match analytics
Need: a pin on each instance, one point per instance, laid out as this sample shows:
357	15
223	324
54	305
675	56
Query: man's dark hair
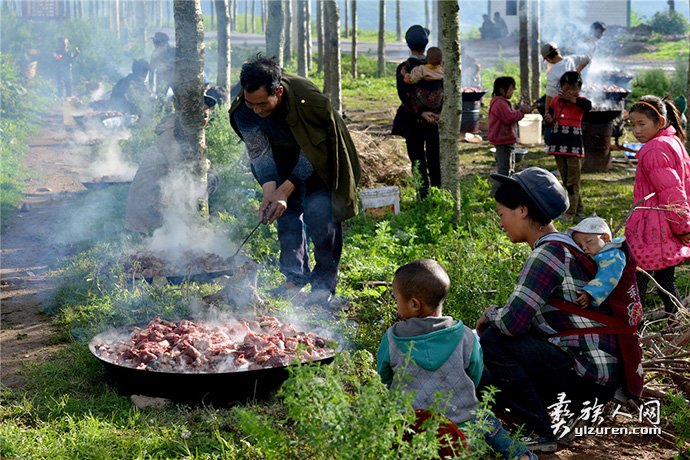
140	67
424	279
261	71
511	195
598	25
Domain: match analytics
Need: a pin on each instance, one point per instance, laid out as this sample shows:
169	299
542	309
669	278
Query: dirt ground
27	286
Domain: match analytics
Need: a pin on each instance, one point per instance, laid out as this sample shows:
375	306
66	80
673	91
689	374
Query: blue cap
542	187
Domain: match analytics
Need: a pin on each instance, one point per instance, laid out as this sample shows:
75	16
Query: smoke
110	164
183	229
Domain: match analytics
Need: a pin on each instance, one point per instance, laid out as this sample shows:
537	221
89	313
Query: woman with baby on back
658	231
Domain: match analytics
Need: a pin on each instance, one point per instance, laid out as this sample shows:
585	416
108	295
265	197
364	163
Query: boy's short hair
434	56
424	279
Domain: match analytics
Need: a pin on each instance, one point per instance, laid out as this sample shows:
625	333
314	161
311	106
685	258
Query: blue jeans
501	441
309	214
530	372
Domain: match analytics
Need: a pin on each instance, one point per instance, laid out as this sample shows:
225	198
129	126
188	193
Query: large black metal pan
193	388
100	185
471	96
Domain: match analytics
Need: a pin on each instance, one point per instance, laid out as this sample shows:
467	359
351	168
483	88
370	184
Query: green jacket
323	137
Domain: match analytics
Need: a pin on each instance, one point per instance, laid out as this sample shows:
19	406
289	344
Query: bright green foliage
675	409
657	82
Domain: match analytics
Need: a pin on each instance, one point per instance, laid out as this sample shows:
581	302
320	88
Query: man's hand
276	201
483	322
430	117
583	299
685	239
268	189
407	78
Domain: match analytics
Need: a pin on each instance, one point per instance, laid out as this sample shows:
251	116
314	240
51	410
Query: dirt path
27	287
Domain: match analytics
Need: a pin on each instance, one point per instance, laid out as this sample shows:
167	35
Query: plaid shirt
552	271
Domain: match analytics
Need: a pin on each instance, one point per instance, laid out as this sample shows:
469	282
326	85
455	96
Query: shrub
669	23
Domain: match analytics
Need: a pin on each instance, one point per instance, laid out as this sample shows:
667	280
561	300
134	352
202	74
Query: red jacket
502	120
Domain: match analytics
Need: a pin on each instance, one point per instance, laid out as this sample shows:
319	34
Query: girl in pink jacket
660	239
502	120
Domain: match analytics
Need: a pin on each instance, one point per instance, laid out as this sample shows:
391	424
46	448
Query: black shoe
539	444
285	291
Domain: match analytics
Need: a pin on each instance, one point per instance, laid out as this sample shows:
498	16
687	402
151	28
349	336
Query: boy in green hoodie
427	353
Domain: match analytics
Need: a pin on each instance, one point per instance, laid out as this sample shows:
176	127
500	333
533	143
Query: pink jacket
502	120
663	166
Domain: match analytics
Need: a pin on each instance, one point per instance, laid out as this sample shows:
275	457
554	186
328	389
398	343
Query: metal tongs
262	221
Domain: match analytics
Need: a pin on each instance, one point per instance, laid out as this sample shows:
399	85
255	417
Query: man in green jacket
303	156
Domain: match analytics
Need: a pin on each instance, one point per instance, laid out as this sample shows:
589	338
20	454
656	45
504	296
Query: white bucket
530	129
379	201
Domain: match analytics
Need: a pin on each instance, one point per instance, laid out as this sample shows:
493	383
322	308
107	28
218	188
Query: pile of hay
383	159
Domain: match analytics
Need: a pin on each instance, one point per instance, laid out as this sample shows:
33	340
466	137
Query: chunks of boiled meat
203	347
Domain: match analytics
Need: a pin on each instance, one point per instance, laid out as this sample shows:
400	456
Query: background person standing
63	58
414	121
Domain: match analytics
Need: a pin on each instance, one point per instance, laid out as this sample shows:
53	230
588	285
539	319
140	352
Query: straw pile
383	159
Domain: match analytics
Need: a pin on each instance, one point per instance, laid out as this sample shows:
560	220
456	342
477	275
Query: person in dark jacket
63	58
303	156
413	120
130	93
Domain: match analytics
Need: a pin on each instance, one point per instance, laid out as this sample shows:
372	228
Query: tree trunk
345	19
263	14
224	61
275	35
140	21
382	30
253	9
354	39
524	51
115	18
534	51
302	37
332	73
307	20
398	21
287	28
426	13
246	16
437	35
449	123
319	37
212	22
188	86
159	13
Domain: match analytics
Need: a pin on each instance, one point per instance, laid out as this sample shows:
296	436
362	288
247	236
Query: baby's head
591	234
434	56
419	288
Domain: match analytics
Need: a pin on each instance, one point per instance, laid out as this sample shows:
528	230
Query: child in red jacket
565	114
502	120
